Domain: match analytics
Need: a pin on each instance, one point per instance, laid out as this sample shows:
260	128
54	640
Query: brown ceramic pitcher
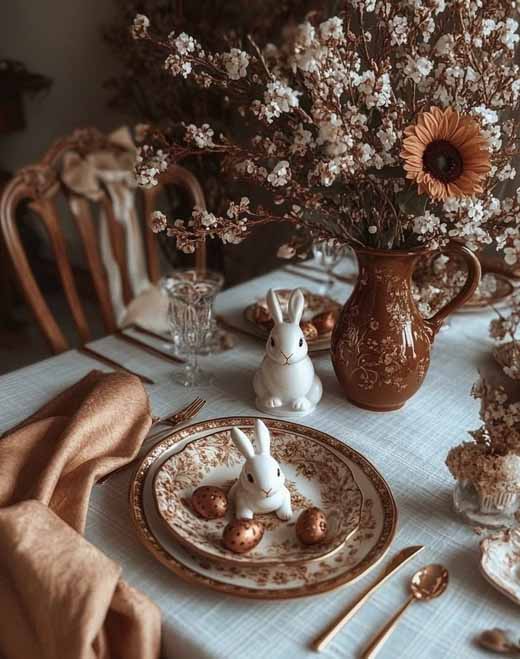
381	344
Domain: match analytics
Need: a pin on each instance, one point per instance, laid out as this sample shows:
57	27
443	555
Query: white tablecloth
408	446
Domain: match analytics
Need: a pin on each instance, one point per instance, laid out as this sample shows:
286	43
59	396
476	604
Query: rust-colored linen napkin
61	597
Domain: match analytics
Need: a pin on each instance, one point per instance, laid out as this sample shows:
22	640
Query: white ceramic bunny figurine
286	383
260	487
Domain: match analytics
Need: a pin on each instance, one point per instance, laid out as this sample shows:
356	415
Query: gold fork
183	414
175	419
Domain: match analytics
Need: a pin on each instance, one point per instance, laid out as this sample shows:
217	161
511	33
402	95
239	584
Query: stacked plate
319	315
494	290
320	471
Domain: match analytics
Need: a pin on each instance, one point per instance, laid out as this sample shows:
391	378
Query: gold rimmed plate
494	289
315	476
364	550
500	562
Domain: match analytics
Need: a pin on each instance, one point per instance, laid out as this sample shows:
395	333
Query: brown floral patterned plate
319	315
315	476
362	552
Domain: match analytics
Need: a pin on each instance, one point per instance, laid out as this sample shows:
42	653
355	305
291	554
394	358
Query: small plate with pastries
319	317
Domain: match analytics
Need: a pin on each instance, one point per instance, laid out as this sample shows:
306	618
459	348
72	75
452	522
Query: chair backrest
40	185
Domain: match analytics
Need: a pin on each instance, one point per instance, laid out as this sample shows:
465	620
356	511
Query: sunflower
446	154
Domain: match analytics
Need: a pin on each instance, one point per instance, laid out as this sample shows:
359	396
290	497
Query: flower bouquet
387	128
487	469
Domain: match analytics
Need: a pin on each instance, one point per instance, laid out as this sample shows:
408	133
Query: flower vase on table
487	468
492	509
381	344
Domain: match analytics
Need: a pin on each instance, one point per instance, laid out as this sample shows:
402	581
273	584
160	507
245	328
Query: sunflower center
443	161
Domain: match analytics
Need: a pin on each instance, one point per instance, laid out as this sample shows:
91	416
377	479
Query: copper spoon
427	583
397	562
501	641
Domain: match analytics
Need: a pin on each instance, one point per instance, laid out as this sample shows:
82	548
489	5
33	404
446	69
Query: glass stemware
328	253
190	318
216	280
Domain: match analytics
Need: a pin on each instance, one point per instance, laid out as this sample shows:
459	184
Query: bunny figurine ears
286	383
295	307
260	487
262	440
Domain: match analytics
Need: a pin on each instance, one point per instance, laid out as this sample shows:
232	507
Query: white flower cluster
149	164
158	222
418	69
281	174
398	26
139	28
506	31
375	91
175	65
236	62
200	136
278	98
203	224
429	228
237	211
249	169
332	30
184	46
480	222
204	218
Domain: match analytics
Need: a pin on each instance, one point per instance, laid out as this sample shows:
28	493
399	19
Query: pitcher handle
472	281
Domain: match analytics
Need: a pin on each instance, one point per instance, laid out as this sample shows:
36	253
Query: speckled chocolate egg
309	330
324	322
242	535
209	502
311	526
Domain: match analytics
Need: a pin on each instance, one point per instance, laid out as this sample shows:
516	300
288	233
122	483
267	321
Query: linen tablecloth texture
409	448
60	596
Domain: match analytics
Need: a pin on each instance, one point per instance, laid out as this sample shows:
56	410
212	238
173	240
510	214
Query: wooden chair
40	186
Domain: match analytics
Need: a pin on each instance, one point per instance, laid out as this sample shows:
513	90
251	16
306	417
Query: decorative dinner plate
316	305
360	553
494	289
500	562
315	476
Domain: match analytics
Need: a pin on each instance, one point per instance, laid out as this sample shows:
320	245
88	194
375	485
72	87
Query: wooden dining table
408	447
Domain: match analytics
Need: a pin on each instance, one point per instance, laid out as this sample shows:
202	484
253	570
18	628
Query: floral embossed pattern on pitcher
381	345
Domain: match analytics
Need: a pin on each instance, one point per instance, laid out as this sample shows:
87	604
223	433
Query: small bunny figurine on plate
260	487
286	383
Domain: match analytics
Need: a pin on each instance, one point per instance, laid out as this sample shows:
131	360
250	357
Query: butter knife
337	625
